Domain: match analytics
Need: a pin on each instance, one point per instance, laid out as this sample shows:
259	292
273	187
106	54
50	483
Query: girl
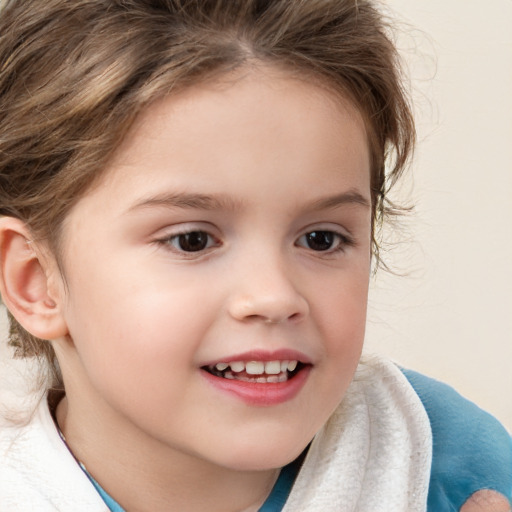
191	194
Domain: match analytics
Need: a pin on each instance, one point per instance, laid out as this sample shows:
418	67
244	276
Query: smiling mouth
261	372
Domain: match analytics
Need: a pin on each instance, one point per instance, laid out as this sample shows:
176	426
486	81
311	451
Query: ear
28	284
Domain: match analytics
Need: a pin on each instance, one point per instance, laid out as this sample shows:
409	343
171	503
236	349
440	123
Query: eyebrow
221	202
350	197
188	201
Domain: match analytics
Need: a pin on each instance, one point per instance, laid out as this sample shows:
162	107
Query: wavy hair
74	75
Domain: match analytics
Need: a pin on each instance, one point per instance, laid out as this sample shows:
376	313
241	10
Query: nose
266	293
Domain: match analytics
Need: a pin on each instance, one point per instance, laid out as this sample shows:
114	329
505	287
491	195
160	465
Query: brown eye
324	240
194	241
320	240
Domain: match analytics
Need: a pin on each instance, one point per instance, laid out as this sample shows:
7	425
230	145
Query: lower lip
261	394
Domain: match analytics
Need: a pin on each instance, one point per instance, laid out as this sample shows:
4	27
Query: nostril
262	319
269	307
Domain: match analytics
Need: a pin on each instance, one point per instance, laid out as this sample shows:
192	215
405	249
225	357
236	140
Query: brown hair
74	74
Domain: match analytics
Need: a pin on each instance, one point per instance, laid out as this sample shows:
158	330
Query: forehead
248	107
257	124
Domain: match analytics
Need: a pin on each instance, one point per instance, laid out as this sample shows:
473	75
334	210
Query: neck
143	475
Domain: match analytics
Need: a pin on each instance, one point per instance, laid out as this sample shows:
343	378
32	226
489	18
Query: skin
141	317
136	316
486	501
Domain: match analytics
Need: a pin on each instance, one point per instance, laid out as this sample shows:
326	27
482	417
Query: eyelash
343	241
173	241
168	241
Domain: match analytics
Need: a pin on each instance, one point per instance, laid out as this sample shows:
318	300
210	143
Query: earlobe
24	283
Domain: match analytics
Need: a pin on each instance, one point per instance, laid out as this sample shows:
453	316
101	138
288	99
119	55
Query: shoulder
471	449
18	483
37	472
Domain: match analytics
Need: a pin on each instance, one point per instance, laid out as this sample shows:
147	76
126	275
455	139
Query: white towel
374	454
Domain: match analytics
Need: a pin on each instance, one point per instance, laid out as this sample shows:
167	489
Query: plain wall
451	317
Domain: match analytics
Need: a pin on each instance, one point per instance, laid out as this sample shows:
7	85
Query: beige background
451	317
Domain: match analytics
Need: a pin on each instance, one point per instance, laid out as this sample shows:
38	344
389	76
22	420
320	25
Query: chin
262	455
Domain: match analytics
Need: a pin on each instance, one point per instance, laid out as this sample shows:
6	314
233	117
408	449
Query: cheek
138	324
343	307
340	319
342	314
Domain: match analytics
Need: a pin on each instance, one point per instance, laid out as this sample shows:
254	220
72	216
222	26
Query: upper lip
264	356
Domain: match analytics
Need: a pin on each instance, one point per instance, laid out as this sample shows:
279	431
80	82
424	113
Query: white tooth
273	367
283	377
261	380
284	365
255	367
292	365
221	366
273	378
237	366
229	375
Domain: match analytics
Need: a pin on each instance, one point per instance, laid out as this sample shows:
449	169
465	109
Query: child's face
232	226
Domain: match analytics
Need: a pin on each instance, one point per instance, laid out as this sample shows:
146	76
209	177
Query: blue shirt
471	449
